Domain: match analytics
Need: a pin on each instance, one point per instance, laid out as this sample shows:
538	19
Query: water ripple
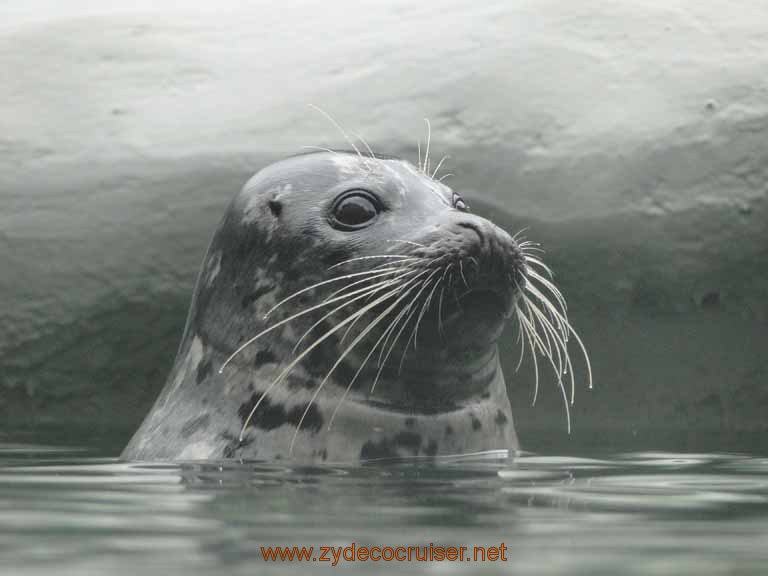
660	513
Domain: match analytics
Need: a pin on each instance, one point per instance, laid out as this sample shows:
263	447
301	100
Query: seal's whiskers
542	316
439	164
384	337
278	324
341	357
425	168
401	258
316	343
365	280
349	140
362	293
349	328
324	282
424	307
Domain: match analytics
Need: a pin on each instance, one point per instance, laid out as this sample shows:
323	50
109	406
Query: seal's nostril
470	226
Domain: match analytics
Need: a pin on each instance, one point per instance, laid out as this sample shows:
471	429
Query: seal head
348	309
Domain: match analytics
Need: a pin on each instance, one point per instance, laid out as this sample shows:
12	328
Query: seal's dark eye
354	209
459	204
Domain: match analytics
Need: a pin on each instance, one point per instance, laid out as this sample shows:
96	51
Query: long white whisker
370	353
549	348
370	151
412	243
424	308
340	129
556	316
537	338
402	258
440	305
443	159
418	147
424	286
521	338
564	363
461	269
517	234
349	328
567	329
537	262
384	336
549	286
368	273
402	269
413	309
391	328
532	346
322	149
429	139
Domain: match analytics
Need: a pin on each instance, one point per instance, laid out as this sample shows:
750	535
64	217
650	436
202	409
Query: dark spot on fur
485	395
269	416
409	440
324	454
263	357
410	422
255	294
431	448
203	370
388	448
476	424
276	208
501	418
335	255
448	430
193	425
381	449
234	444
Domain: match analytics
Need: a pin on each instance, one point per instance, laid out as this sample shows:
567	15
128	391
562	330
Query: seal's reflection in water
396	503
658	513
593	512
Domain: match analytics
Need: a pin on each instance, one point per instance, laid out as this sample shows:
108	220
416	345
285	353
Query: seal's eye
459	204
354	209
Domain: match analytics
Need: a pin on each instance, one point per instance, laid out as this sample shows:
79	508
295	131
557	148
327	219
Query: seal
349	308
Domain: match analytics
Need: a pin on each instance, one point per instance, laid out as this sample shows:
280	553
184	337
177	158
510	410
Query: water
65	512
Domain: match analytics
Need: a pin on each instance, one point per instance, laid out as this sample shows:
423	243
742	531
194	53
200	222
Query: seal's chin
483	306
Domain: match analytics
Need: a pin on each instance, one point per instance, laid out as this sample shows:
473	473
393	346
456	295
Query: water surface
67	512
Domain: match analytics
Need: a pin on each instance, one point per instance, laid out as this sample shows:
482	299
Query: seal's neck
436	410
424	413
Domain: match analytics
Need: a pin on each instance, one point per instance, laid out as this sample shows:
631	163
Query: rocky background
630	138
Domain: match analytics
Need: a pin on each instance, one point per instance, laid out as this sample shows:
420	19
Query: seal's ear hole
276	208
